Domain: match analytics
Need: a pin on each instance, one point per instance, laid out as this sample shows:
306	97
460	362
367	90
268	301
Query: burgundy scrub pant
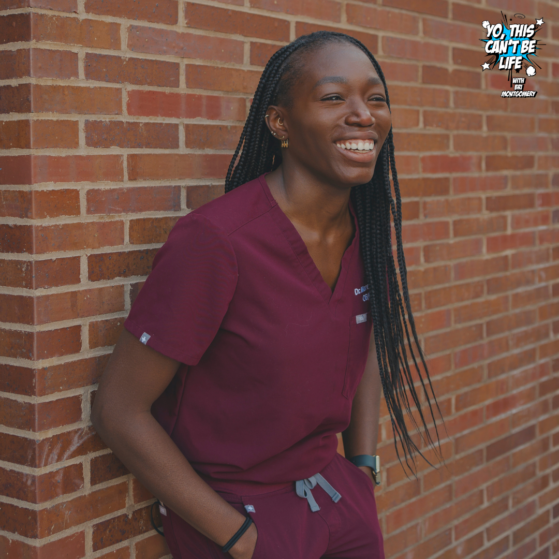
288	529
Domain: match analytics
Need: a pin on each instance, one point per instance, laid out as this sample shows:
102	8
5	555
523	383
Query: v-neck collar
300	248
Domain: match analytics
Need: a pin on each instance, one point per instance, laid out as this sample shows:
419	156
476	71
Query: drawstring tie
303	488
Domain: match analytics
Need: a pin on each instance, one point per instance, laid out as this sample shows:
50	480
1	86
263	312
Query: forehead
337	59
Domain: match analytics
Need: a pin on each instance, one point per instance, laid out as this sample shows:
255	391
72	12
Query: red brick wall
119	116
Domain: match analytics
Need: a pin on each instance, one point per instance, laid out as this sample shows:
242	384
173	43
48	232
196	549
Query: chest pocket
359	333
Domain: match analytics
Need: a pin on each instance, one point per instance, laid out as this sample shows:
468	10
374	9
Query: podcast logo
511	47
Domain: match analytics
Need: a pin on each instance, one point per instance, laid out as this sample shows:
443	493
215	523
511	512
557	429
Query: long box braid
394	329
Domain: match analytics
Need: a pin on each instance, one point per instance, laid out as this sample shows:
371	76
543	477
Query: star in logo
485	66
540	21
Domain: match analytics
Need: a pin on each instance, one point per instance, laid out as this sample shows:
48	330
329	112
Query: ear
275	120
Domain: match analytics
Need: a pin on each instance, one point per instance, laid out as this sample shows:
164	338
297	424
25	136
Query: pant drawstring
303	488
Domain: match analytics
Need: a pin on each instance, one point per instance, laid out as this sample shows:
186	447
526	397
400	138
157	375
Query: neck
308	200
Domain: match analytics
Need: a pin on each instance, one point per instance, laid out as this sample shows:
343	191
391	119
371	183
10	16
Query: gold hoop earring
285	143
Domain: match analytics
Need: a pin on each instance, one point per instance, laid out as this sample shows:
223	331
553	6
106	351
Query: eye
378	99
333	97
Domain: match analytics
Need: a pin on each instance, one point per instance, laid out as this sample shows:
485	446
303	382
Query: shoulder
236	208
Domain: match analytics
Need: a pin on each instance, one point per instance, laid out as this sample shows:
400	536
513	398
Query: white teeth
360	145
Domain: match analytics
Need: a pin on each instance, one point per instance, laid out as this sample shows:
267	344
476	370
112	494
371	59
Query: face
338	118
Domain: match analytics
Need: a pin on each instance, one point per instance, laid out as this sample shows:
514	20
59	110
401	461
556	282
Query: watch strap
371	461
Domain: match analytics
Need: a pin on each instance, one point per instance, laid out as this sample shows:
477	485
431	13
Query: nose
359	114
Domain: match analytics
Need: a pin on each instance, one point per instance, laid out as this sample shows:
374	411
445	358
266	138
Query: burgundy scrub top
271	358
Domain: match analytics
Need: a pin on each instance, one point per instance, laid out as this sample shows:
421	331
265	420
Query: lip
365	157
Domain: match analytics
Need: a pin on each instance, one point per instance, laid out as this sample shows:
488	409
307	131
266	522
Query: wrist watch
372	461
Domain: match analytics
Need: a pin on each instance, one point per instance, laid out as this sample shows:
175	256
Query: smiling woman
273	320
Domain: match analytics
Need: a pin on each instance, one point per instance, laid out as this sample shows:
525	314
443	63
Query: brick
524	259
451	120
76	100
15	99
414	50
155	11
510	442
452	206
433	275
73	31
529	220
471	14
428	231
15	28
382	19
504	123
501	243
511	363
420	187
451	32
421	142
452	294
510	282
139	493
150	230
57	5
77	168
455	338
508	403
120	264
463	185
219	137
16	238
186	45
57	64
15	64
529	528
456	78
16	308
78	304
123	527
478	143
40	345
104	333
107	134
419	96
76	511
221	79
482	309
106	468
211	18
450	163
49	380
39	204
120	553
529	143
480	268
152	547
55	272
512	162
42	416
479	226
78	236
133	200
453	250
328	9
54	134
16	170
176	167
370	40
510	203
70	547
136	71
512	519
437	8
185	105
260	53
481	352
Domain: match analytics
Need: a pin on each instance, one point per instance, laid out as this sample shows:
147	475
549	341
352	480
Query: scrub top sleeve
182	304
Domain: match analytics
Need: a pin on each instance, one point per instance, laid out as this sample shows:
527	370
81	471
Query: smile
358	146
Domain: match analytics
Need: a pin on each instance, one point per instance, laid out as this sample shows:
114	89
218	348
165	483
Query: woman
252	341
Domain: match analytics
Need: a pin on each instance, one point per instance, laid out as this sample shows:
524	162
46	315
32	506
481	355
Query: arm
361	435
135	377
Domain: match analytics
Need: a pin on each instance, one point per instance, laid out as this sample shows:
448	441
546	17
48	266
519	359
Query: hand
244	548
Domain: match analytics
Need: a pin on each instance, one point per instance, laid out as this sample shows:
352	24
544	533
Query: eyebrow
373	80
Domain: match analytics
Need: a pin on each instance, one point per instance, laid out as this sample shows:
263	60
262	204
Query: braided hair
395	335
